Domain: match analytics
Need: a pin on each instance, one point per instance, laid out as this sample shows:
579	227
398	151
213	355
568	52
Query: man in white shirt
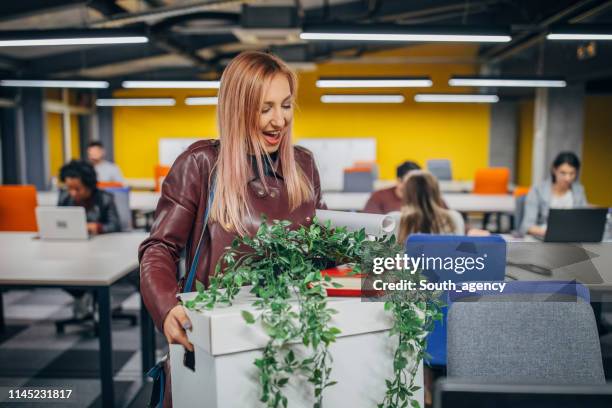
105	170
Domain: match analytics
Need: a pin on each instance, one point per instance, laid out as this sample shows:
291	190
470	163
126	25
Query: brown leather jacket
179	217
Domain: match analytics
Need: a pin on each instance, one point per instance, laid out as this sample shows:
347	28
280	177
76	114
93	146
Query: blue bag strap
196	258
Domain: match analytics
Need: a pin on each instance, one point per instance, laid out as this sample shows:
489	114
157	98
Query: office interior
526	81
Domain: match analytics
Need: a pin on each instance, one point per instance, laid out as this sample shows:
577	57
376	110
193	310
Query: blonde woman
423	210
253	169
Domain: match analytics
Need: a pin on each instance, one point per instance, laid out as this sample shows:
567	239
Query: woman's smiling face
276	112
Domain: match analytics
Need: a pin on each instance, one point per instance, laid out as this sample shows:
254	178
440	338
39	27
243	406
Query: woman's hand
175	325
537	230
92	228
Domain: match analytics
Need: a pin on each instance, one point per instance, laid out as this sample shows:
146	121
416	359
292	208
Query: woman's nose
278	120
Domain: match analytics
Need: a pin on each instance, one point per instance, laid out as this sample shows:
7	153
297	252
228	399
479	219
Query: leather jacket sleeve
174	219
109	216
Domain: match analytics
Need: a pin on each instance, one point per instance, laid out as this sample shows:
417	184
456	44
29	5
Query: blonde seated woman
423	210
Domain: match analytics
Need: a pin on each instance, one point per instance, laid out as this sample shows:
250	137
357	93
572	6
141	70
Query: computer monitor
576	225
459	394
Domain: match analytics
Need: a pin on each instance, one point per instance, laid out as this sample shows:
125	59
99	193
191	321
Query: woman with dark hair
80	189
562	190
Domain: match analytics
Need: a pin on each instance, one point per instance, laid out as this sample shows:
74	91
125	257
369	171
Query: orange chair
109	184
18	208
492	180
159	173
520	191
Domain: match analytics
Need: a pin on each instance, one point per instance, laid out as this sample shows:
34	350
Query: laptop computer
61	223
576	225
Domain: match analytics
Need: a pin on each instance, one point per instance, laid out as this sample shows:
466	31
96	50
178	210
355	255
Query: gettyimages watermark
490	266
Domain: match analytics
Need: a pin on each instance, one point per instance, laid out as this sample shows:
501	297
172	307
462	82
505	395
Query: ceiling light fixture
172	84
416	82
136	102
456	98
403	34
362	98
201	100
53	83
30	38
508	82
580	32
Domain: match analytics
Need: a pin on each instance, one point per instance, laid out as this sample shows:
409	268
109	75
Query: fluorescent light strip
457	98
373	83
202	100
578	37
405	37
362	98
74	41
499	82
172	84
136	102
53	83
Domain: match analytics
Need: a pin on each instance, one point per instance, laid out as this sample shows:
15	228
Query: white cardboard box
226	347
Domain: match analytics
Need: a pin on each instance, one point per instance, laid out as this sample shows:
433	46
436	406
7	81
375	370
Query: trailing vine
282	264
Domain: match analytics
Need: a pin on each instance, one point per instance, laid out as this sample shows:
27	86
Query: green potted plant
283	265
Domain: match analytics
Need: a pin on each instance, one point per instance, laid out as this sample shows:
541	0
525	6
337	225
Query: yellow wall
404	131
525	143
55	140
596	148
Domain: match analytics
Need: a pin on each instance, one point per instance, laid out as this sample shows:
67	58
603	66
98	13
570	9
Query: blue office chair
441	168
455	246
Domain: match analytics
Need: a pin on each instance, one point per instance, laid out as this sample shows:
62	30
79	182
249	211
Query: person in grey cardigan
562	190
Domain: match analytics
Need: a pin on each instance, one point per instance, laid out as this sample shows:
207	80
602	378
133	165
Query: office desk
587	263
145	201
461	202
93	264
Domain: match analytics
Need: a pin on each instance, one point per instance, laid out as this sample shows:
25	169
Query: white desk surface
456	201
139	200
101	260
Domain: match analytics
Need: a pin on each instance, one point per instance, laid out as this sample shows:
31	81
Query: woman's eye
286	106
265	111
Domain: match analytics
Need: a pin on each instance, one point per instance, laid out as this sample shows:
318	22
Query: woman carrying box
252	170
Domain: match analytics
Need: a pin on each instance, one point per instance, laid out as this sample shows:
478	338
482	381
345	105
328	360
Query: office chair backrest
358	179
17	208
159	173
443	246
501	338
109	184
492	180
122	202
441	168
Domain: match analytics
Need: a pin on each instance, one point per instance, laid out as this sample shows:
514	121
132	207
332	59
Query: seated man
390	199
80	189
105	170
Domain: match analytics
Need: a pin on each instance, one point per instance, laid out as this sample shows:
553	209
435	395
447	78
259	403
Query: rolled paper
374	224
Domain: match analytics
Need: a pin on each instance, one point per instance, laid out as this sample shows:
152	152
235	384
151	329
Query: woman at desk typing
562	190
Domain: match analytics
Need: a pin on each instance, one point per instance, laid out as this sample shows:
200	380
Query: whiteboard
171	148
333	155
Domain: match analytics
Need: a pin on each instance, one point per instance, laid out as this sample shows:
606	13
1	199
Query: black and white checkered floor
33	355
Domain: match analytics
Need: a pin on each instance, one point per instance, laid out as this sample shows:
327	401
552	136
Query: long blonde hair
422	206
241	97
